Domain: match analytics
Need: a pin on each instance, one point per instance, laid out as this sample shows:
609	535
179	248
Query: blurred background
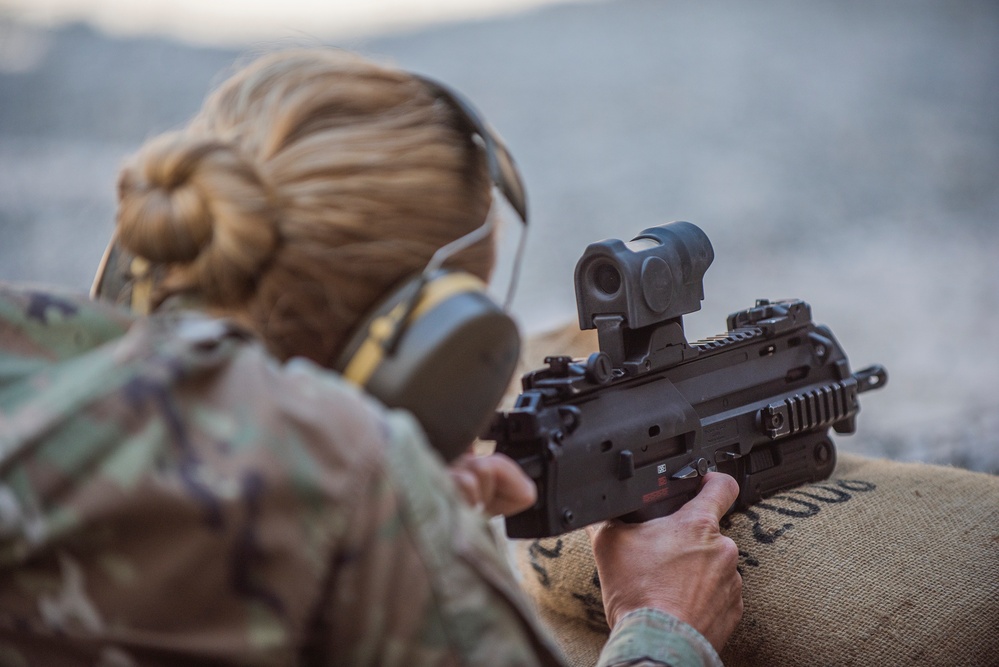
841	151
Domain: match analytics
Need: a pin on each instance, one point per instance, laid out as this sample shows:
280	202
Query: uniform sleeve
651	637
420	579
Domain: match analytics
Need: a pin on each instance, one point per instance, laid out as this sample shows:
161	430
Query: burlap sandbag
885	563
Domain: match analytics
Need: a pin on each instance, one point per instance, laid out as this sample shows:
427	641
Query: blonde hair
308	186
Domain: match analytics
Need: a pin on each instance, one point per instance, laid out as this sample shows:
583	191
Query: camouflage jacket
170	494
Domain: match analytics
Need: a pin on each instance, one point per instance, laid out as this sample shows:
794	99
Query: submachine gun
630	431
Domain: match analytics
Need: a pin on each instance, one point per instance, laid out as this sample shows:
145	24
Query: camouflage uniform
171	495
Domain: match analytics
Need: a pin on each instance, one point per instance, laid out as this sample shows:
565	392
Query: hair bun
191	201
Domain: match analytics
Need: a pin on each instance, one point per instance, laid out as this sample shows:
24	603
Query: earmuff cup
450	364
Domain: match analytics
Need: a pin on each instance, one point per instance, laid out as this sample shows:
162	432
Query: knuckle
600	533
737	585
729	550
701	523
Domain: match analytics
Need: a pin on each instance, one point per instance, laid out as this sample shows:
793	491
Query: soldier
186	480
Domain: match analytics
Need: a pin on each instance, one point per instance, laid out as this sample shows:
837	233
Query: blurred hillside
843	152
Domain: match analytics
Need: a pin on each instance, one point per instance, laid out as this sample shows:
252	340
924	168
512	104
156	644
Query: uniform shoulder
55	323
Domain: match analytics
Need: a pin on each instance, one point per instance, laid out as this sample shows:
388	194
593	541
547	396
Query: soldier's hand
680	564
493	483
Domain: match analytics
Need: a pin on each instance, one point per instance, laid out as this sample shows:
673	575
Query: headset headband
502	168
505	178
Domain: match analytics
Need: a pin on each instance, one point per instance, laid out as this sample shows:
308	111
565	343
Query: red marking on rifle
655	496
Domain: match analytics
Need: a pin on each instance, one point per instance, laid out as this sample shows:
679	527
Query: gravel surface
843	152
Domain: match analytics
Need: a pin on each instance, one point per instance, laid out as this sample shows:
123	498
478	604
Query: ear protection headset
438	346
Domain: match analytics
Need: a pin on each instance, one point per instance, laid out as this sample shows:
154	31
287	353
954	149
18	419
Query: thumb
718	493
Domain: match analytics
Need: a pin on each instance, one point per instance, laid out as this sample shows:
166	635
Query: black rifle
629	431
